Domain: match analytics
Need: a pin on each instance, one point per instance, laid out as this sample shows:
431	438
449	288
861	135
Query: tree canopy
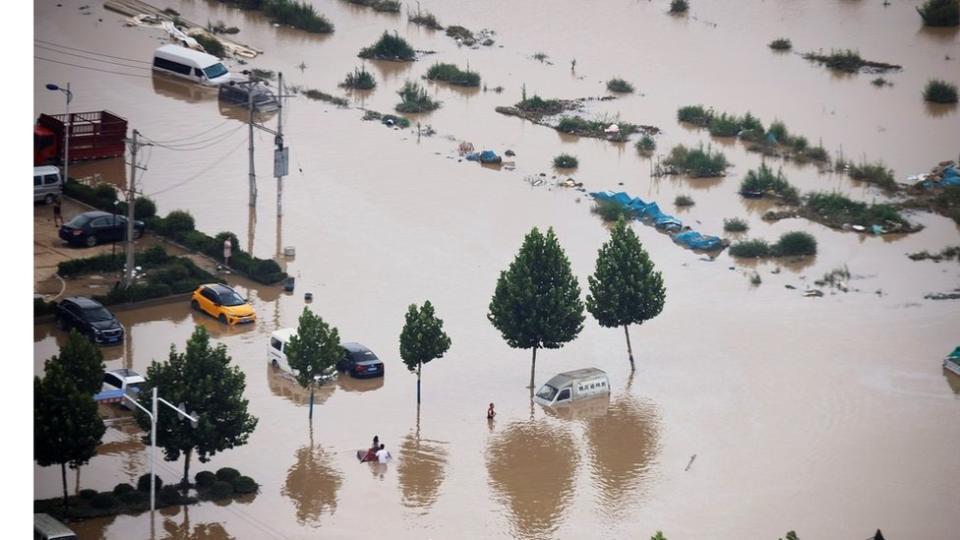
422	339
314	348
82	361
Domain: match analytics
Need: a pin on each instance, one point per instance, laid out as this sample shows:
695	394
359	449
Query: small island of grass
940	12
791	244
849	61
450	73
359	79
389	47
762	182
619	86
696	162
781	44
414	99
940	91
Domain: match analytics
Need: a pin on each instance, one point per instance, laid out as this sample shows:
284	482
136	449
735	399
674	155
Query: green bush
724	126
453	75
297	14
42	307
683	200
461	33
781	44
414	99
425	19
204	479
137	292
646	145
87	493
143	209
619	85
735	225
359	79
197	241
697	162
88	265
750	249
227	474
389	47
245	484
177	223
169	494
835	210
537	104
762	181
102	501
211	44
611	211
940	12
679	6
317	95
694	114
153	256
778	131
565	161
132	497
574	124
873	173
122	488
221	490
940	91
795	243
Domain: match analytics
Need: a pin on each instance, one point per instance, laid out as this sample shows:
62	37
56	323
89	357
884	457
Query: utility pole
131	200
253	175
279	141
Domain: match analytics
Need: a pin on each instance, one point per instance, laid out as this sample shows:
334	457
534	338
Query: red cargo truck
93	135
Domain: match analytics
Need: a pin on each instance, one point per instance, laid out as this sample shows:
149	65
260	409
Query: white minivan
47	184
189	64
277	353
568	387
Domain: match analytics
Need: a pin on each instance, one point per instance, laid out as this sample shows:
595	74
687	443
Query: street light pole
67	125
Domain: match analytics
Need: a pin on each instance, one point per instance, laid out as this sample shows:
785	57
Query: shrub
835	210
817	153
611	211
414	99
697	162
940	91
750	249
679	6
197	241
873	173
683	200
751	123
204	479
540	56
221	28
42	307
425	19
565	161
694	114
778	131
88	493
461	33
227	474
880	81
619	85
724	126
646	145
245	484
763	180
211	44
735	225
453	75
154	256
360	79
573	124
795	243
102	197
317	95
132	497
220	490
88	265
389	48
105	192
940	12
103	500
542	106
799	144
177	223
781	44
143	208
296	14
169	494
122	488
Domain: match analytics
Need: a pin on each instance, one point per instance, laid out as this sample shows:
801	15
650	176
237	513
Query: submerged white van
277	353
570	386
189	64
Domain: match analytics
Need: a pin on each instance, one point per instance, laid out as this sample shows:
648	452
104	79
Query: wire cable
204	132
191	146
202	172
91	52
92	58
91	68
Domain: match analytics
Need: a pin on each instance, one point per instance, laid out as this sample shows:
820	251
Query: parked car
263	98
125	380
46	527
222	303
359	361
90	318
92	228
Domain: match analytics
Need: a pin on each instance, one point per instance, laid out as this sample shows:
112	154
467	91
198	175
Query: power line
93	58
189	147
90	52
92	68
202	172
169	141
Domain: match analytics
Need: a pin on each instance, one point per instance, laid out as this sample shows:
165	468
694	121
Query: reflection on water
421	470
312	484
622	444
92	529
953	380
349	384
173	87
581	410
242	113
532	467
284	385
937	110
185	531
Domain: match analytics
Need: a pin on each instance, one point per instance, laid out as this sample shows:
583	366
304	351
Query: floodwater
753	410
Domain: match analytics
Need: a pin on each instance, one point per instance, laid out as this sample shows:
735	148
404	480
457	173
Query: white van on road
189	64
568	387
47	184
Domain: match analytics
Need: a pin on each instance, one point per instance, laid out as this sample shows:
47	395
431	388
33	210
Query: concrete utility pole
131	200
252	175
279	142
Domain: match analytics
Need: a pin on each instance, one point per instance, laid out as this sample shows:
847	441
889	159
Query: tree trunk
186	468
626	332
419	365
533	367
310	415
63	474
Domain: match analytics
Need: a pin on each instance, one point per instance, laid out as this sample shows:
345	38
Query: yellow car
222	303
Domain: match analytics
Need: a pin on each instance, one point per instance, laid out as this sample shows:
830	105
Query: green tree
793	536
66	425
202	380
537	300
422	339
625	289
314	348
658	536
83	363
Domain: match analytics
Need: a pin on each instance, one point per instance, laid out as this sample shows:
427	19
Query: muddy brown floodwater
831	416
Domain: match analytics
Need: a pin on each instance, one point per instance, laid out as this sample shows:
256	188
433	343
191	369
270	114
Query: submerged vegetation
425	18
384	6
835	210
414	99
565	161
849	61
545	107
735	225
791	244
453	75
646	145
619	86
940	12
317	95
762	181
873	173
612	211
290	12
359	79
781	44
679	6
582	127
940	91
683	201
697	162
211	44
389	47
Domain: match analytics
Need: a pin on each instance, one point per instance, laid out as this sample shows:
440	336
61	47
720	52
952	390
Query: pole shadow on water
421	469
312	483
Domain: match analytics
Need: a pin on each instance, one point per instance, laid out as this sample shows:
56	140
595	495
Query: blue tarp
695	240
109	396
951	177
489	156
650	212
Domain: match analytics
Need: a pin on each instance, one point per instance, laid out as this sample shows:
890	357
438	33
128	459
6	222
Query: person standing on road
57	213
227	251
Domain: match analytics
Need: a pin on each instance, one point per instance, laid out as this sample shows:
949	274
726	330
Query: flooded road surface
753	410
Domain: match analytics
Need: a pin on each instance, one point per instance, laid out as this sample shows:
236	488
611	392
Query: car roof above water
562	379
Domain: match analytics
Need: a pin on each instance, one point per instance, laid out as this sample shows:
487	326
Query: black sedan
92	228
90	319
359	361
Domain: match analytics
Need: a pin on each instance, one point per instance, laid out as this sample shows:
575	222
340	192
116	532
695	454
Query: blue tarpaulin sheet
695	240
489	156
651	213
951	177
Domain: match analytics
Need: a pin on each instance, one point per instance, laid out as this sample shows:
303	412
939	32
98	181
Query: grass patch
317	95
359	79
414	99
679	6
940	91
695	114
452	74
646	145
873	173
880	82
759	182
619	86
389	47
735	225
538	105
940	12
697	162
582	127
610	211
724	126
262	74
750	249
849	61
294	13
835	210
221	28
540	56
683	201
946	254
461	33
383	6
211	44
565	161
425	18
780	44
791	244
387	119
